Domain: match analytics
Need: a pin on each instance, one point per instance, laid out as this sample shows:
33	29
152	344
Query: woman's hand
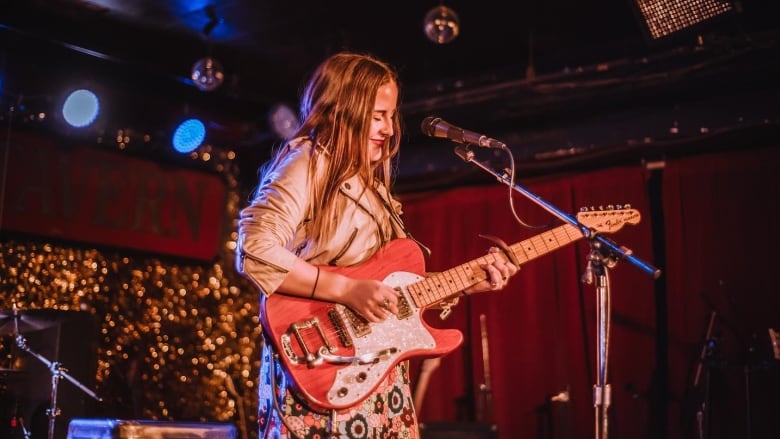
499	272
372	299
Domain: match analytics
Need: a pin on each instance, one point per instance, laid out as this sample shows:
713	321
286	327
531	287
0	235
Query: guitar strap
445	305
399	223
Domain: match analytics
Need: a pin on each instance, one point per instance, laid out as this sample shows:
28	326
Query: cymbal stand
57	372
704	366
18	421
25	430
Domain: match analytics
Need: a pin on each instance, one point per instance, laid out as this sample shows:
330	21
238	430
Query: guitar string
428	290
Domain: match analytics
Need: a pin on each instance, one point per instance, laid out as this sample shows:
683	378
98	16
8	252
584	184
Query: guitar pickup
359	324
341	331
404	310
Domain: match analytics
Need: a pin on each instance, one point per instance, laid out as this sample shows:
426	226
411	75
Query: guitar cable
276	390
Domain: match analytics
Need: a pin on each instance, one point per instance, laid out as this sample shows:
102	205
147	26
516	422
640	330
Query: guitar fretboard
440	286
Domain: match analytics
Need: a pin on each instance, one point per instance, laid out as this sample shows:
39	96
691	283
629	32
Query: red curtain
698	215
723	228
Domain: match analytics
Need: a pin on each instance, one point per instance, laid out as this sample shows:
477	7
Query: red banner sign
101	197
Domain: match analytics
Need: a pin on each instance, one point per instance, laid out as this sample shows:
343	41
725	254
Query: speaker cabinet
134	429
458	430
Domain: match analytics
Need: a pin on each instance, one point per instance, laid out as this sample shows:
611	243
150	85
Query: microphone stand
485	407
604	254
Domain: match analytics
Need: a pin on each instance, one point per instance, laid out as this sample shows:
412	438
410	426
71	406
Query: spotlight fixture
214	20
665	17
81	108
441	25
189	135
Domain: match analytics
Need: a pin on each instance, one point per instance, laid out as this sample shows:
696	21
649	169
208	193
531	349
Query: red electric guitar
335	358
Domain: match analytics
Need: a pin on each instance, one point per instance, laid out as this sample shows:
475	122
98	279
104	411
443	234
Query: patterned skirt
387	413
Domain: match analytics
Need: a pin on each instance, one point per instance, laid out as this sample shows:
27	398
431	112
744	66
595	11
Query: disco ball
441	25
207	74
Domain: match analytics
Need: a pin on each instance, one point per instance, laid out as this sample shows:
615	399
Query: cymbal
29	320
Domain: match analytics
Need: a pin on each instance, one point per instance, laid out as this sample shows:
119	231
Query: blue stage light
189	135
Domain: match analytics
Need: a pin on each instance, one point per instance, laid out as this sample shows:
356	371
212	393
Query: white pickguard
354	381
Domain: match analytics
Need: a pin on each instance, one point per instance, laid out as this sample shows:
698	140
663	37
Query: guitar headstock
609	219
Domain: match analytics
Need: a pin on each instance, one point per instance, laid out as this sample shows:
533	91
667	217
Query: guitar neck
440	286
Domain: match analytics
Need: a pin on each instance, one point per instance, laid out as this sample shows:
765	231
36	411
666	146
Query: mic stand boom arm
616	252
604	254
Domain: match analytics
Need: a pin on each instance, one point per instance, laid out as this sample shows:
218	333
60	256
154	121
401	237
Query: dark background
590	106
550	79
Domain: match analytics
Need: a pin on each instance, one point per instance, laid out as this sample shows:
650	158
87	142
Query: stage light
189	135
665	17
81	108
283	121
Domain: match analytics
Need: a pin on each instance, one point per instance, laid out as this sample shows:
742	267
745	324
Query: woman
324	200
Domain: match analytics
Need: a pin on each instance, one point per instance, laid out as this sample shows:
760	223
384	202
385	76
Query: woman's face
382	120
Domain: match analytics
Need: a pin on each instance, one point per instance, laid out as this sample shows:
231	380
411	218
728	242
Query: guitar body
333	357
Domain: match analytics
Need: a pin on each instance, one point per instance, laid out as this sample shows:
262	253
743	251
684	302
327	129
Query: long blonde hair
335	111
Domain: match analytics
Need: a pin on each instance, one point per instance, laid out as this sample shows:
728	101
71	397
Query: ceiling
267	47
512	65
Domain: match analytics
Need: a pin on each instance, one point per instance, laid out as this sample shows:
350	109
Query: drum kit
15	323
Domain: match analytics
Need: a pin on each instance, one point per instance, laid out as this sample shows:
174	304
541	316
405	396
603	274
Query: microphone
436	127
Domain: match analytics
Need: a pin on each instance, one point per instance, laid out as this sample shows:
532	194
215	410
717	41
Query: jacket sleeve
266	227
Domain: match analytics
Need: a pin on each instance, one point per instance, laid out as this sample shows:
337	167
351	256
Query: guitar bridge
309	356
